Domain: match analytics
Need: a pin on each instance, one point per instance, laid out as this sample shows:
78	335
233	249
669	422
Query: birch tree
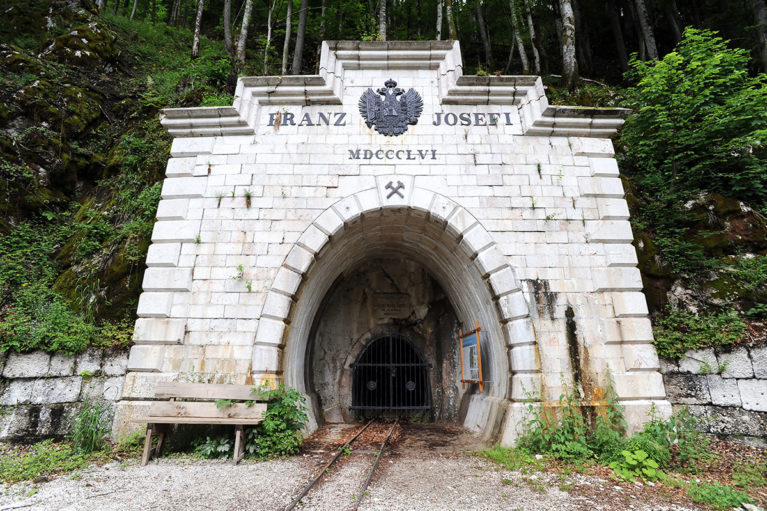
569	63
228	26
382	20
452	31
485	36
268	36
518	38
298	54
197	22
439	20
286	45
243	39
533	37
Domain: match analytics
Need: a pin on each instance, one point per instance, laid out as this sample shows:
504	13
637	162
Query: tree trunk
583	43
382	20
228	26
242	41
569	63
100	4
419	18
186	13
439	20
197	22
518	38
674	21
117	6
620	44
533	37
154	11
286	45
133	9
269	36
647	34
298	54
511	53
485	36
760	17
323	24
452	31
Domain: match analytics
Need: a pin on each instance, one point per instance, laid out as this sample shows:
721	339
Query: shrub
636	464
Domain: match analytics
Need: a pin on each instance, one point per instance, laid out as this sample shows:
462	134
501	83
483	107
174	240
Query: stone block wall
725	388
40	393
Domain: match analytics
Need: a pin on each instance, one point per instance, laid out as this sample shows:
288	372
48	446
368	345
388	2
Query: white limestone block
172	209
609	231
299	259
626	329
441	208
61	365
167	279
698	361
640	357
159	331
617	278
56	390
369	201
524	358
191	146
266	359
604	167
526	386
641	385
146	358
601	187
612	209
329	222
287	281
512	306
154	305
114	364
593	147
270	332
629	304
113	388
175	231
753	394
621	254
503	281
27	365
347	209
313	239
180	167
18	392
183	187
89	361
490	260
277	306
736	363
475	239
724	392
163	254
519	331
759	362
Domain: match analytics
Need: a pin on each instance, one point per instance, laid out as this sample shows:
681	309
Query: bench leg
147	454
239	443
161	430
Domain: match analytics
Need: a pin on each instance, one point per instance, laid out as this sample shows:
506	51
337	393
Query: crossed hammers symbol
395	190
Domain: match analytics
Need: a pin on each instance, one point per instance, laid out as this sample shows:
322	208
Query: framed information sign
471	357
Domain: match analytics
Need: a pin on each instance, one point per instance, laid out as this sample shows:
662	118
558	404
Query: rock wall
40	394
725	388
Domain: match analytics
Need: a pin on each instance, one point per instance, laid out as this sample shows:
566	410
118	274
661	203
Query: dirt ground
426	467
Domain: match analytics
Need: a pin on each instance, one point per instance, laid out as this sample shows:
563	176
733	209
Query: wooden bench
163	413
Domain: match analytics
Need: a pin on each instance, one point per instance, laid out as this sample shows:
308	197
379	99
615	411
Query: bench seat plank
171	390
196	420
210	410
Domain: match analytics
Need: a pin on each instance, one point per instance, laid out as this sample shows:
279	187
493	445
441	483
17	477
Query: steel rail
364	486
341	451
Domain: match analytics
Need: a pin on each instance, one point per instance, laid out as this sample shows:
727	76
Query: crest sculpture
391	115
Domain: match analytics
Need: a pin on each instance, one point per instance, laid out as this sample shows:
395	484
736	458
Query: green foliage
223	403
749	476
679	331
90	426
636	464
219	447
279	433
717	495
512	458
39	460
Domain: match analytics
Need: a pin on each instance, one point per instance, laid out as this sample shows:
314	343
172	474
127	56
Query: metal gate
390	374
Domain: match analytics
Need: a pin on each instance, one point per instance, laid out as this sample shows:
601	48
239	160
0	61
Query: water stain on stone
545	299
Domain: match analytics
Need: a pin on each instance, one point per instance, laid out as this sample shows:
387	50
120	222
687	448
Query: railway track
345	449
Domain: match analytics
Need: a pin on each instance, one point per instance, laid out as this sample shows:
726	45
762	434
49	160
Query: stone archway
435	232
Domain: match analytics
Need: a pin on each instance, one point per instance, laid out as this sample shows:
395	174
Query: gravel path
422	472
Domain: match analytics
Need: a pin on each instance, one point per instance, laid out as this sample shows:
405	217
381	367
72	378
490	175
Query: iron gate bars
390	374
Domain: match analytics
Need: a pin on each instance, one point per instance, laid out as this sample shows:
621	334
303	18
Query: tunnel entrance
390	375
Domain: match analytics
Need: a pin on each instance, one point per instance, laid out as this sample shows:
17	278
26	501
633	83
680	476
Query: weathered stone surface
726	420
27	365
724	392
113	388
753	393
114	364
17	392
29	423
736	363
759	361
61	365
698	362
89	362
56	390
687	389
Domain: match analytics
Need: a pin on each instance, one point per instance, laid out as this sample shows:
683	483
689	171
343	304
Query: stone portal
318	213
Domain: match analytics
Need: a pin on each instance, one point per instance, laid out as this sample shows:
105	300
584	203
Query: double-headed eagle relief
391	115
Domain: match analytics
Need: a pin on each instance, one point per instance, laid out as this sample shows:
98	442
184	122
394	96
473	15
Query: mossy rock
27	22
91	45
17	60
725	226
